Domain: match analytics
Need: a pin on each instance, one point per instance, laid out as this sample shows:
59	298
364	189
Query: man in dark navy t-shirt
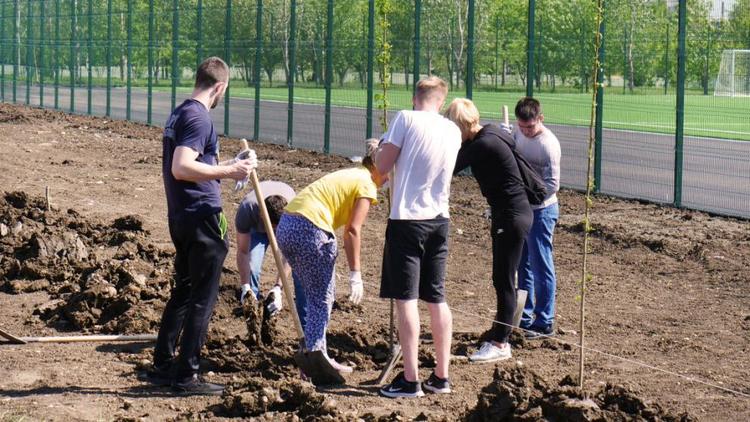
197	226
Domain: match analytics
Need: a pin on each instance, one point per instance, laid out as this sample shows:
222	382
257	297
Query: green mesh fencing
305	74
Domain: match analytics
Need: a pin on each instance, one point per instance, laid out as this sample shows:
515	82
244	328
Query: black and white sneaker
437	385
400	387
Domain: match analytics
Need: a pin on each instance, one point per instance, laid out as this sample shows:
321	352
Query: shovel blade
316	366
520	304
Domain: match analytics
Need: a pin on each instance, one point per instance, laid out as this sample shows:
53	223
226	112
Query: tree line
640	40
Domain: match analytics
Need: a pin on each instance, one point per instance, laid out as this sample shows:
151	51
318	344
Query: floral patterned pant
311	252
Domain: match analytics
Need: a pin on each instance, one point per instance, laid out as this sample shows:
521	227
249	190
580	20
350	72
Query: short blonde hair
463	113
371	148
431	87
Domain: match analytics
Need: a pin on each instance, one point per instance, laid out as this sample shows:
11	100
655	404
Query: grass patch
705	115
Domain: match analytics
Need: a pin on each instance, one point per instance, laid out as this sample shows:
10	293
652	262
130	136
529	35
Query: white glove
244	291
273	301
240	185
355	287
246	154
508	128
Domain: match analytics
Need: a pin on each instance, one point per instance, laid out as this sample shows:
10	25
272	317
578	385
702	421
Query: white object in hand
356	287
245	154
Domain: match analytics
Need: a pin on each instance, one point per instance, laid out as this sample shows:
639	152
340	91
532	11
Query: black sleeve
464	158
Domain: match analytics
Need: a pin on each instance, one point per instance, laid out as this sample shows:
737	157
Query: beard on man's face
217	100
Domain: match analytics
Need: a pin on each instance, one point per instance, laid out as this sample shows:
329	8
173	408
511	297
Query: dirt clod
103	278
519	393
256	396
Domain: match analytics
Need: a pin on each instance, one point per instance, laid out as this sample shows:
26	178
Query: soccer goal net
734	74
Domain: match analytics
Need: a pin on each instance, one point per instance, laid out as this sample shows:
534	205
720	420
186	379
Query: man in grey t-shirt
536	272
252	242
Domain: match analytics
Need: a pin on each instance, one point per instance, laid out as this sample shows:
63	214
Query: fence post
258	53
2	51
470	52
42	18
598	141
530	50
175	48
417	31
130	60
624	59
680	114
16	49
292	71
199	35
57	54
150	65
72	61
228	59
108	109
370	59
90	54
666	61
497	26
328	76
29	51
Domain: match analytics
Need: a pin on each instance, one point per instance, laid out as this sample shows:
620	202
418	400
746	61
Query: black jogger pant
508	236
200	253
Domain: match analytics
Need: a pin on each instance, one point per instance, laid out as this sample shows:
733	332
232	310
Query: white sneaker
488	352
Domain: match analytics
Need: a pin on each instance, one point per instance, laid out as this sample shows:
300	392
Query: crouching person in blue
252	243
198	228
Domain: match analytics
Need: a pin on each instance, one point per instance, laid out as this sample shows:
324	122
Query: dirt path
670	288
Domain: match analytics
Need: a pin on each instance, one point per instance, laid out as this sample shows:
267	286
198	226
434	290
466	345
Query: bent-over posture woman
306	237
487	150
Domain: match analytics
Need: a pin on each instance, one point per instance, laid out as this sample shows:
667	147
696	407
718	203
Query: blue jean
536	273
258	245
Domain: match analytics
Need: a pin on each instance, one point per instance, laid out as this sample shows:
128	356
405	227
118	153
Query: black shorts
414	260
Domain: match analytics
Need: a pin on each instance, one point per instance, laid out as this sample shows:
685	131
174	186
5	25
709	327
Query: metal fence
304	73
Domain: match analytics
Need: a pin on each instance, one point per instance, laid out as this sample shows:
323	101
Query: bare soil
670	289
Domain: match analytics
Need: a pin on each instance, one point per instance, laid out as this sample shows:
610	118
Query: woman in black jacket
488	151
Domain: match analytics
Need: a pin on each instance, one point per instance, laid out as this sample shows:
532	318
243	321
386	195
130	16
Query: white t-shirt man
429	144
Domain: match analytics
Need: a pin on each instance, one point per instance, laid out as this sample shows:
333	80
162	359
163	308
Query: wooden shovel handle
275	248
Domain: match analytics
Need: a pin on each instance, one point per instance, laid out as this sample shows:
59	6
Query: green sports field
705	115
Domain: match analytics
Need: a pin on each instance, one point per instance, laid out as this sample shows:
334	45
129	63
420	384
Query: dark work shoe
400	387
537	333
437	385
197	387
156	376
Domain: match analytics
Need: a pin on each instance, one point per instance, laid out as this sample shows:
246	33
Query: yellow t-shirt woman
328	202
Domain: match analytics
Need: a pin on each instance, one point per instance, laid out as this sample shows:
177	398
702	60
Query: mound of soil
279	400
233	353
519	393
101	278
